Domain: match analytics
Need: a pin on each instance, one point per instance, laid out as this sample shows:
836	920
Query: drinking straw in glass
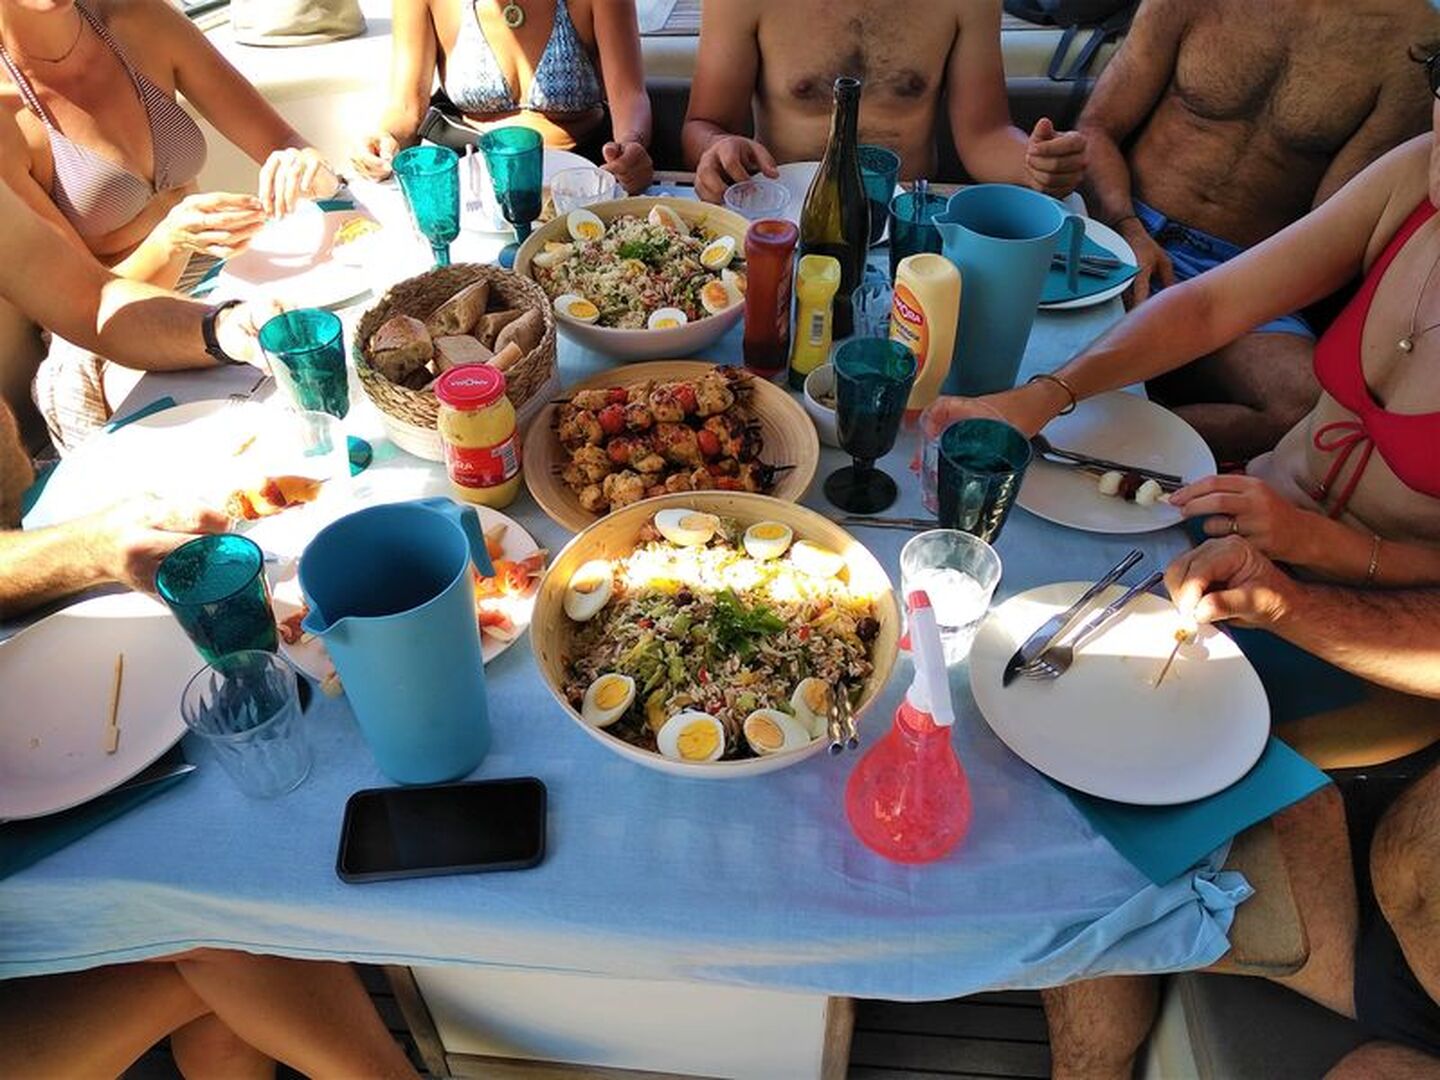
959	573
982	464
912	225
515	158
873	377
216	588
879	169
247	711
429	177
307	352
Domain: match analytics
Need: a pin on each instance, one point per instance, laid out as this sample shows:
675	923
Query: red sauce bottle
769	267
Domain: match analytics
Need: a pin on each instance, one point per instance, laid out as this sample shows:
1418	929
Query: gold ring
1234	526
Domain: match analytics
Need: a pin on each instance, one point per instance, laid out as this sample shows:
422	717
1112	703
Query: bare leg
312	1015
206	1049
1098	1026
1385	1061
1316	846
1244	397
1405	869
91	1023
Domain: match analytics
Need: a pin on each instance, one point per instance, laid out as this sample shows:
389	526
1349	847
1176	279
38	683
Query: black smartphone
405	832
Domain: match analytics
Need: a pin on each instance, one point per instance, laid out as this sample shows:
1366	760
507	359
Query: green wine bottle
835	219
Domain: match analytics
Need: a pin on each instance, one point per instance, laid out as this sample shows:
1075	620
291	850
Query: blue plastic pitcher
390	594
1002	238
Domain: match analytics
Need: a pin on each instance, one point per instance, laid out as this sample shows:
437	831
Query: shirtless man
1217	124
786	56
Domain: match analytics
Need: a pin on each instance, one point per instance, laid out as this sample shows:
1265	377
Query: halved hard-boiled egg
811	701
553	255
574	306
686	528
735	281
606	699
811	558
716	296
666	318
770	731
582	224
767	540
692	736
717	254
667	218
588	590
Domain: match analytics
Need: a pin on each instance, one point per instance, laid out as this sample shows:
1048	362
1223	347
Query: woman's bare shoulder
1402	178
131	18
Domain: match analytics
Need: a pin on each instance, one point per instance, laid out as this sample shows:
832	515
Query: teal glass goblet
515	159
982	465
429	177
873	378
306	348
216	588
879	169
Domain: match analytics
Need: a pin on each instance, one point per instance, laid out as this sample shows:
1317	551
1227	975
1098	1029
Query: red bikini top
1405	442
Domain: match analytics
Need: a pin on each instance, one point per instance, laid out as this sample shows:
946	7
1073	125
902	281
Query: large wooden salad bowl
614	536
788	436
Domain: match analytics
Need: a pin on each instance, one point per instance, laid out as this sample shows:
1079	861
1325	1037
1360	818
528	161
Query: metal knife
1041	639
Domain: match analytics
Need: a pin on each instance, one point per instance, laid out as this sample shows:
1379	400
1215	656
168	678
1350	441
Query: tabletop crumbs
34	743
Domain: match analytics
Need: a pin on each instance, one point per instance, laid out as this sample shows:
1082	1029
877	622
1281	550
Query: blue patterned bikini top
564	81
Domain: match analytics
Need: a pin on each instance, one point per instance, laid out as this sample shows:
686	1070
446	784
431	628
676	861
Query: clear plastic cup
959	572
246	707
574	188
758	198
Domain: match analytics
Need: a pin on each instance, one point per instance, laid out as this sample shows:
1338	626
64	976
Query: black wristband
207	331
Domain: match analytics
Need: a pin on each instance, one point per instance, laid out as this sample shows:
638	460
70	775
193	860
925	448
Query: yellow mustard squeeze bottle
477	426
924	316
815	283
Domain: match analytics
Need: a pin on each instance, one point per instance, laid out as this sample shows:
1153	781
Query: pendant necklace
79	33
513	14
1407	343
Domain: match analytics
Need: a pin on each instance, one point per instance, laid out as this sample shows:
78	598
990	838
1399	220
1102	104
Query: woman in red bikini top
1352	493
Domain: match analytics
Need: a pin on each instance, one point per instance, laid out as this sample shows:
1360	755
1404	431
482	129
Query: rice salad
635	269
708	627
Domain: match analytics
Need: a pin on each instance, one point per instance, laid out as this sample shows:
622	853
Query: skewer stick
1182	636
112	729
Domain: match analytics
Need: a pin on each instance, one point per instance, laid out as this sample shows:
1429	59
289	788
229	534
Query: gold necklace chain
79	32
1407	343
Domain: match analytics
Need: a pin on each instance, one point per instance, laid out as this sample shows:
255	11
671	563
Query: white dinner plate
1103	727
796	176
55	708
1123	427
189	453
398	485
1112	242
281	266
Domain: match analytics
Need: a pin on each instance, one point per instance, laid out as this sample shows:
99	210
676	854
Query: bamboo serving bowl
614	536
645	344
788	439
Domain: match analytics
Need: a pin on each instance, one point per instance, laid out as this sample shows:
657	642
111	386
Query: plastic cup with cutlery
959	573
247	711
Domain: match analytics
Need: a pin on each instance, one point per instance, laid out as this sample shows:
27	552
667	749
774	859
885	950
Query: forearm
696	137
1106	186
630	119
45	564
154	262
1339	553
995	156
1389	638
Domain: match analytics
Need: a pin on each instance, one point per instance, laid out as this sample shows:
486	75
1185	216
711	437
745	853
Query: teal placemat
1057	289
158	405
1164	841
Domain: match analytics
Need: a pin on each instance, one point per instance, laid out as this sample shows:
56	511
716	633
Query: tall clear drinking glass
515	158
429	177
959	573
247	710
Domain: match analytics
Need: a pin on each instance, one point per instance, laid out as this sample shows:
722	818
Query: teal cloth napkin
24	843
158	405
1163	842
1057	287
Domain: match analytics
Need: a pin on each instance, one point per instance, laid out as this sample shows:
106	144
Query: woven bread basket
418	297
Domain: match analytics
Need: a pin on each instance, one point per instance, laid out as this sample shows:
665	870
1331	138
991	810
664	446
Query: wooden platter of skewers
666	427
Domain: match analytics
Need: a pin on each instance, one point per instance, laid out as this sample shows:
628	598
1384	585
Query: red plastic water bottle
908	799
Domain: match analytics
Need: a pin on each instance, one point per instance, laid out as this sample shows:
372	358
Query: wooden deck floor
985	1037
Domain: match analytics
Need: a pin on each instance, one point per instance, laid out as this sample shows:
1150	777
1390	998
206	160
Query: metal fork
1056	660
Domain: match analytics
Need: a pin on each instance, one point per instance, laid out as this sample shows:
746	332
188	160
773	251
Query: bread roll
490	325
461	312
506	357
525	331
457	350
400	347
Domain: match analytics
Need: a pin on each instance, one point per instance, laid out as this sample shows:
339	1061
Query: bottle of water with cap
908	799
